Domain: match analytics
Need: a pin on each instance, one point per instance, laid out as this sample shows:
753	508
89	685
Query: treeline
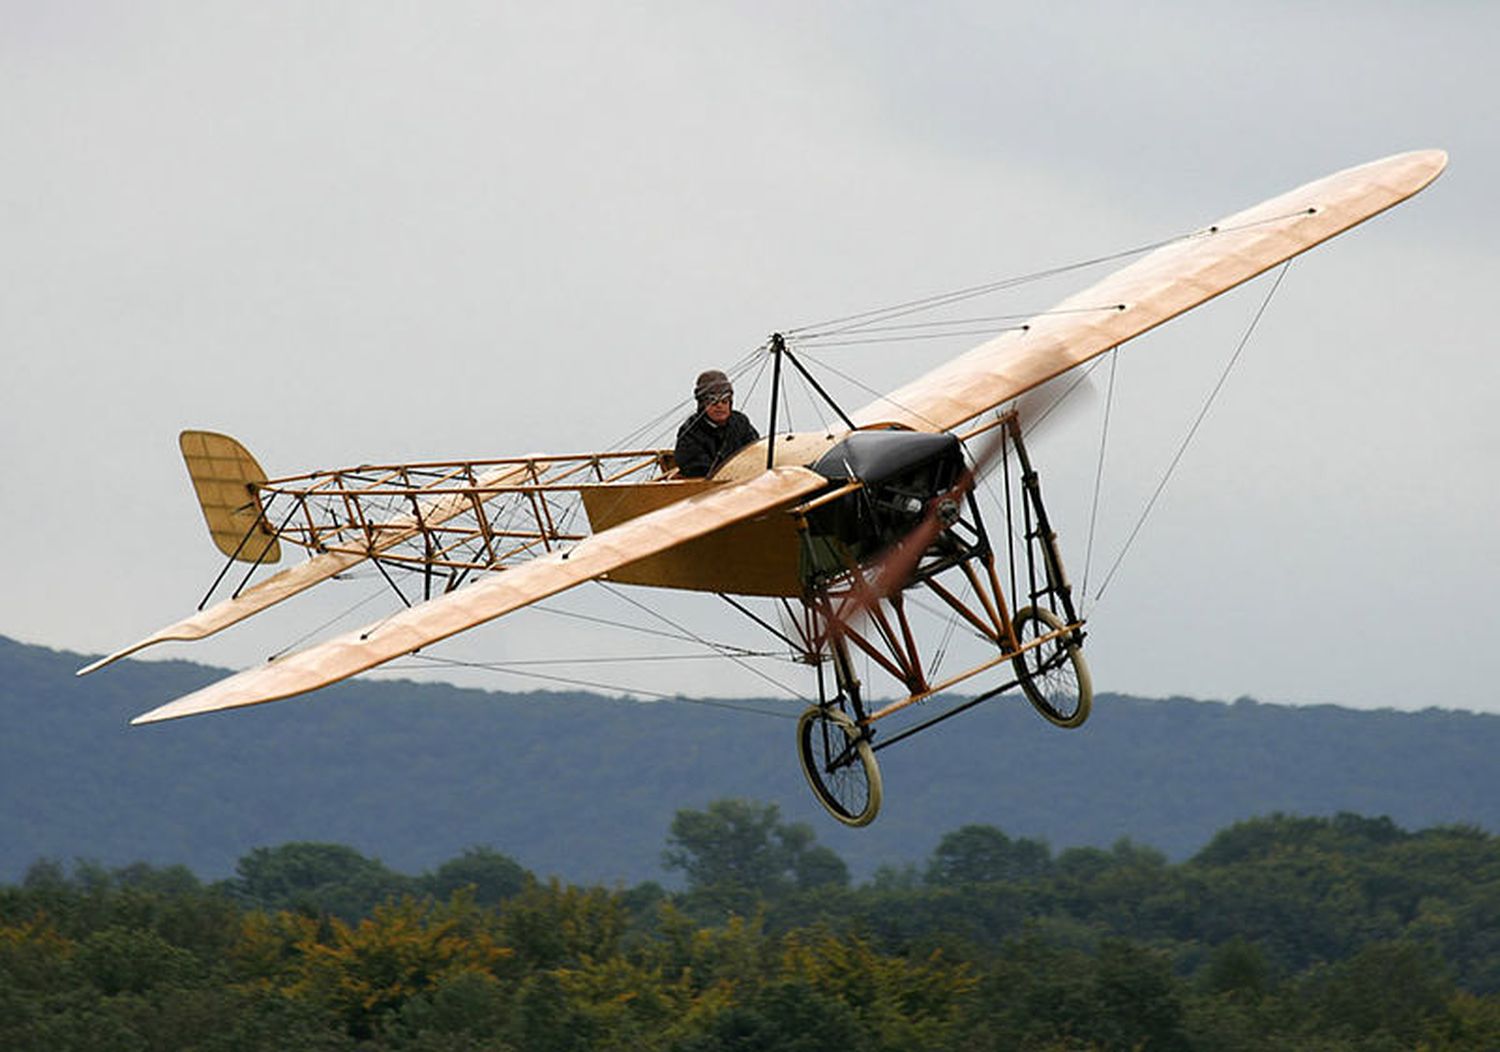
1341	933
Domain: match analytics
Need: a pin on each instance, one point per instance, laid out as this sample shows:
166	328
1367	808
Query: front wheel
840	765
1054	676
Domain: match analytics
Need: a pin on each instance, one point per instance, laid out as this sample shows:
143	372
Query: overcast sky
370	231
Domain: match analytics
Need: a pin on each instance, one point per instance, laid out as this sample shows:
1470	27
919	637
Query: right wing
1157	287
498	593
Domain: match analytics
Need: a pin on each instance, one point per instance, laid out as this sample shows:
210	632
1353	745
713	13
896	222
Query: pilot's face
719	409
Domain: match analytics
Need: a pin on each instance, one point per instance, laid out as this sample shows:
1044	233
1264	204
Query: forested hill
585	787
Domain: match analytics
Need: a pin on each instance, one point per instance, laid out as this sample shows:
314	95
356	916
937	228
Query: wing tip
1414	169
110	659
1434	160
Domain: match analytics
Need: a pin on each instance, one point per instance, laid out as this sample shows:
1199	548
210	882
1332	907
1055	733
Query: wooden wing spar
488	537
1154	289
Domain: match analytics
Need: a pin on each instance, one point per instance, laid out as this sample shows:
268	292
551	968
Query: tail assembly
227	480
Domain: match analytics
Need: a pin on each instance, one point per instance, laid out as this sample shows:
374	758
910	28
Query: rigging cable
661	423
905	337
1109	402
376	594
1244	340
863	319
862	386
880	314
425	660
718	648
699	639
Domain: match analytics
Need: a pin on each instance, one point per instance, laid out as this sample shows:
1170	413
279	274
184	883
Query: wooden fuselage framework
441	521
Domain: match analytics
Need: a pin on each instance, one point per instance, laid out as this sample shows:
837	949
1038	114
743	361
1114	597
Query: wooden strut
453	516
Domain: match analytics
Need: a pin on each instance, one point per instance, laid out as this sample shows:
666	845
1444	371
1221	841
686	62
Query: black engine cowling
901	471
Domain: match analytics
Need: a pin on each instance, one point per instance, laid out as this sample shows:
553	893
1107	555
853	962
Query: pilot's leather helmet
712	384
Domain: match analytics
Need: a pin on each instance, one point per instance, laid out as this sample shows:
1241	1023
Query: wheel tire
1054	677
852	789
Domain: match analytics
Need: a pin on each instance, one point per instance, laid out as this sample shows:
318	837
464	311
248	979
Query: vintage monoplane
839	527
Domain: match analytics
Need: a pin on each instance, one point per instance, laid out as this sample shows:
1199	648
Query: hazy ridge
585	786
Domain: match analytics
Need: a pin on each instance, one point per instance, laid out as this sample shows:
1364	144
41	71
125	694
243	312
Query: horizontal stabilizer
499	593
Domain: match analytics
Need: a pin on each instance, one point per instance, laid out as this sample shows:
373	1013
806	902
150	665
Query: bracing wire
882	314
1078	381
858	383
331	621
627	659
662	422
1109	402
864	320
427	660
1203	412
626	626
908	337
987	319
704	642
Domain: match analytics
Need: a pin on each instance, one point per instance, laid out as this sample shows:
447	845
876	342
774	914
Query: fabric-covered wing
497	594
295	579
1159	286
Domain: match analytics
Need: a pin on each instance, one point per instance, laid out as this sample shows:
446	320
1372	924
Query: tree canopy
1330	933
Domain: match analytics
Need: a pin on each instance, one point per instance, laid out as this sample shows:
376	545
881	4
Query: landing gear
840	765
1054	677
905	521
834	747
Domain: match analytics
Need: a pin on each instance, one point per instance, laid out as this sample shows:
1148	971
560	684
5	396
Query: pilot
715	431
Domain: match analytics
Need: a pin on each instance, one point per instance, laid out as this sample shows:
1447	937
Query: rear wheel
1054	676
840	765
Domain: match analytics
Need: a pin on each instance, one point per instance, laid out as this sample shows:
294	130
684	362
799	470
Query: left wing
1157	287
497	594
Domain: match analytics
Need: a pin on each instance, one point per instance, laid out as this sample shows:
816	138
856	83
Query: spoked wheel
1054	676
840	765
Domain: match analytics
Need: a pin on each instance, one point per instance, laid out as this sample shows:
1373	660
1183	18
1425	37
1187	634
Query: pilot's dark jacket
702	446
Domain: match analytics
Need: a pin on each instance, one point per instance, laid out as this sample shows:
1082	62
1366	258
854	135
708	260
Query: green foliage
489	875
1262	838
978	854
1286	932
554	925
129	960
315	878
368	973
738	853
1237	971
782	1017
